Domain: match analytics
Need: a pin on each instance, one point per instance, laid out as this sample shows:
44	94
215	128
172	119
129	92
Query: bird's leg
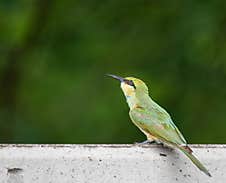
145	142
159	142
148	141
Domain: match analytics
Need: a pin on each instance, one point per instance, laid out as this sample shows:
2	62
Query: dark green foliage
54	55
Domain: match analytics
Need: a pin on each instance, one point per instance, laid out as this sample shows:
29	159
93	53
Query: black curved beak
116	77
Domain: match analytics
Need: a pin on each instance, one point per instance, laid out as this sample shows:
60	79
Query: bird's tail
194	160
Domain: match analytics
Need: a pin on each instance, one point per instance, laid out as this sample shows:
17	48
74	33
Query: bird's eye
130	82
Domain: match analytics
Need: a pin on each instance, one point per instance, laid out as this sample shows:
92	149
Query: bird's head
131	86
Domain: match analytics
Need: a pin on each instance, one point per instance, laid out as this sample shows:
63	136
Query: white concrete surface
108	164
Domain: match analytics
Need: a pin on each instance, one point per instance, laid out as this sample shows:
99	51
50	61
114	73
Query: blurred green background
54	55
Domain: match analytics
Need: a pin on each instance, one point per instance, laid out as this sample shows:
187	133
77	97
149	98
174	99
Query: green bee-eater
152	119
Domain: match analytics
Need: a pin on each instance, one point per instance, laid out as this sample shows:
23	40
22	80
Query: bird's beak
116	77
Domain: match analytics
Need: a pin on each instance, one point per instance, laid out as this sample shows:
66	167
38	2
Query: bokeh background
54	55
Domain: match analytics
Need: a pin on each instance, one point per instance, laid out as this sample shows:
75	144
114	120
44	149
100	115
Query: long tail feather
194	160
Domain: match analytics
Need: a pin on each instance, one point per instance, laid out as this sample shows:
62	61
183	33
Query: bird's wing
157	123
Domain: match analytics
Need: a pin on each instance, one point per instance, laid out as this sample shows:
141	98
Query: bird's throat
132	101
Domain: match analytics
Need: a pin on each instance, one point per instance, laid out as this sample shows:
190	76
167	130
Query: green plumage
161	126
152	119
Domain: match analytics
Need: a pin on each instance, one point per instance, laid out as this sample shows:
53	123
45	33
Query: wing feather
159	124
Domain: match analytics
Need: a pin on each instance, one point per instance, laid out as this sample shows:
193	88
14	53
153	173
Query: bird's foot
159	143
145	142
149	142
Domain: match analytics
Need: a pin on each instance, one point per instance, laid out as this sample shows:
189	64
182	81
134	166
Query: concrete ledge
108	163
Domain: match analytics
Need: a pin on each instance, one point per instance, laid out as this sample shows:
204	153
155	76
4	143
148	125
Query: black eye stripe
130	82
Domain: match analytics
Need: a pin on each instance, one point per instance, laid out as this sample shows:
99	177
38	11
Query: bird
152	119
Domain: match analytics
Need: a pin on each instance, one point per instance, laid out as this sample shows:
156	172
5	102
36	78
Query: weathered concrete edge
197	146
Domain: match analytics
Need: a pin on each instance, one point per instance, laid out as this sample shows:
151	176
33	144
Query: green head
134	89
